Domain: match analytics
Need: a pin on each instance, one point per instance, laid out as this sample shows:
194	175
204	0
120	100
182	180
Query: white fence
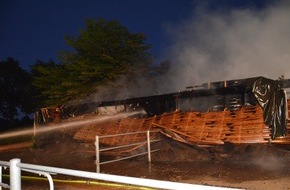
144	143
16	166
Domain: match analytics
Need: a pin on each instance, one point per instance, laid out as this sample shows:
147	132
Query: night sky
34	29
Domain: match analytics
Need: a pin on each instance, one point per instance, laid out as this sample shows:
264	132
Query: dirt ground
251	166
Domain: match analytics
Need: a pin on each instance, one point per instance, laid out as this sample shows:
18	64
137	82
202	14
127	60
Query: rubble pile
245	125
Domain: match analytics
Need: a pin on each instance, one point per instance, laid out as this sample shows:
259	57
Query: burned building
251	110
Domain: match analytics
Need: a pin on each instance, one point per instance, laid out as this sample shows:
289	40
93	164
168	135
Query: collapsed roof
216	96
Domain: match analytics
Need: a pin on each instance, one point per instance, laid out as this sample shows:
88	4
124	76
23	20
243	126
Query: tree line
103	52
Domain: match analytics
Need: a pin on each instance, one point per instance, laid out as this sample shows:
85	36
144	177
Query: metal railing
16	166
144	143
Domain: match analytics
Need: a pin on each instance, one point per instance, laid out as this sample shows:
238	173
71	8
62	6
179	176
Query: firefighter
57	115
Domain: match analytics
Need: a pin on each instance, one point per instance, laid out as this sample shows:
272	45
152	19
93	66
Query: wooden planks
241	126
244	125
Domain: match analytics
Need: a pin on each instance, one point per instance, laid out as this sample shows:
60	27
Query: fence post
34	124
15	174
148	146
97	154
0	177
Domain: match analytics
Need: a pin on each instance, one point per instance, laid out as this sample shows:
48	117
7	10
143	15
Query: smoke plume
233	44
216	45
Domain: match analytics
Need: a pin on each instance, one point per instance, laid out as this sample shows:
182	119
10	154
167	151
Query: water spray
70	124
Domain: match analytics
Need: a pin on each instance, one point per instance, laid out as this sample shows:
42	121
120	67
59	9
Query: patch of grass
33	145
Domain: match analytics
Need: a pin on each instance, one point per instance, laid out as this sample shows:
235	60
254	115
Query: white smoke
269	162
123	88
215	46
224	45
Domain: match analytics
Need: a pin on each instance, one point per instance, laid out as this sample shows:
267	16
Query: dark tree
48	83
104	52
15	85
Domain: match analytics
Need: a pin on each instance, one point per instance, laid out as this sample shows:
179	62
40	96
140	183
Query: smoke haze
225	45
216	45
